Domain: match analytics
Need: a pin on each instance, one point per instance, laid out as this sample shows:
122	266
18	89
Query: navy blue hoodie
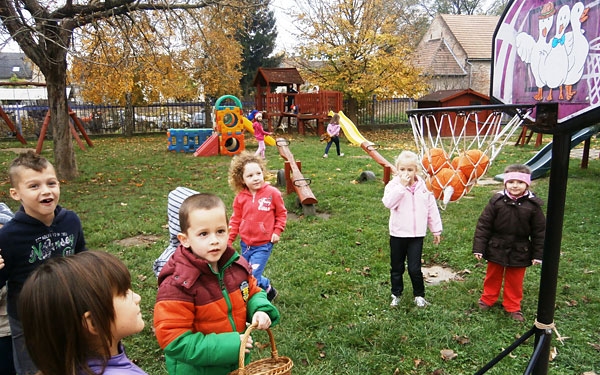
26	242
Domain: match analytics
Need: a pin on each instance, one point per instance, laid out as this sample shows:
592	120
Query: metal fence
98	119
379	113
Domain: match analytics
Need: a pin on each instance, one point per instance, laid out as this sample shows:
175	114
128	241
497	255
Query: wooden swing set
46	123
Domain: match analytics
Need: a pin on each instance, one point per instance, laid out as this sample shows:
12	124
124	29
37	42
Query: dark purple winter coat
511	233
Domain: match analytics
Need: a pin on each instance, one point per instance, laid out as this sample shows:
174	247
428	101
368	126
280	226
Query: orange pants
513	286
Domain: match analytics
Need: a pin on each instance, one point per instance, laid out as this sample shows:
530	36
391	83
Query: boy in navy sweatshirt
41	229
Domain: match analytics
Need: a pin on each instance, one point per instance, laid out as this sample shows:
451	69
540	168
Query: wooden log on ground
295	179
388	168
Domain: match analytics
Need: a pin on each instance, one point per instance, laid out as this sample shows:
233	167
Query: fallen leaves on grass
366	271
463	340
594	345
553	353
448	354
320	347
571	303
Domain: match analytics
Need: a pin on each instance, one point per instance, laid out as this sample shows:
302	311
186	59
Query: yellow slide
248	126
350	130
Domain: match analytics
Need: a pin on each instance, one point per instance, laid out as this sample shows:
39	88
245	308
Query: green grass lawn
332	269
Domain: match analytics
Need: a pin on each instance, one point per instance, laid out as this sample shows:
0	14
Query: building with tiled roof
456	52
14	65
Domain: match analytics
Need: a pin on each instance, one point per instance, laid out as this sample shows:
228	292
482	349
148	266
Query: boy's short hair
28	159
200	201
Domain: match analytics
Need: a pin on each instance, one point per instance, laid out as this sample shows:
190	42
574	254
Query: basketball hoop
457	145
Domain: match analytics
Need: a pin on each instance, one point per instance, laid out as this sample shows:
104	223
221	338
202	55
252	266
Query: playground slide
350	130
354	136
248	126
540	163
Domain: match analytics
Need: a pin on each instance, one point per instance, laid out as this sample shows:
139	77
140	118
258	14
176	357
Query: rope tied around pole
551	327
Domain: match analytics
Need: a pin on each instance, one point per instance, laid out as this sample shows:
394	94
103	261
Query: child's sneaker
483	306
325	155
272	294
395	301
421	302
518	316
342	154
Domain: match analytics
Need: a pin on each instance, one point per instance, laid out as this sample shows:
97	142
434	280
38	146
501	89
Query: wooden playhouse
306	109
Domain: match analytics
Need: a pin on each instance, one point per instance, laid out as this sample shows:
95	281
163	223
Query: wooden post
387	172
43	131
289	187
12	126
80	127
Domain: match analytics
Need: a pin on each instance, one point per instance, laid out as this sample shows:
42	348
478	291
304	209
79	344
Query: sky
285	37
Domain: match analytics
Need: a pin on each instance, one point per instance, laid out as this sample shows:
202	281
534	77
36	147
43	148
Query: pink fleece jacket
259	132
411	212
257	216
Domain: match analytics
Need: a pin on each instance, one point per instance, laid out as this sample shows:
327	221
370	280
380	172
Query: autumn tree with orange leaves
114	63
359	47
46	31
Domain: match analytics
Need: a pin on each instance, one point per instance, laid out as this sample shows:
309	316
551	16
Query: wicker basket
275	365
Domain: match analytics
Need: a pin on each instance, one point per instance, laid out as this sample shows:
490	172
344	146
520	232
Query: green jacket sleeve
259	302
199	350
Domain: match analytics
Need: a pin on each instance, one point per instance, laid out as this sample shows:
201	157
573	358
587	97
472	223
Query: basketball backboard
549	51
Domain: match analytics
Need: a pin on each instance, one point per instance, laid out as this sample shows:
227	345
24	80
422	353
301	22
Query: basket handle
242	356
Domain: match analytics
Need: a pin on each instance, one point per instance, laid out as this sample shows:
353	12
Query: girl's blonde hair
236	169
408	158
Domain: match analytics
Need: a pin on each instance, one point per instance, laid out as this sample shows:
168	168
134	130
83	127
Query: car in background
199	120
174	120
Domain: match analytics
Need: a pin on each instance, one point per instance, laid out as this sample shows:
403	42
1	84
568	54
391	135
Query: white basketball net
593	67
456	147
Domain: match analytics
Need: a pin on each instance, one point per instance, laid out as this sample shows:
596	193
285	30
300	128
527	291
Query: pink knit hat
519	176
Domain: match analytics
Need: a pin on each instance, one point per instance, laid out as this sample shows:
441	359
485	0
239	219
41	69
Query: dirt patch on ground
140	240
434	275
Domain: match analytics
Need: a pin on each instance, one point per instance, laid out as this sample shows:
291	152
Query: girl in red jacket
259	215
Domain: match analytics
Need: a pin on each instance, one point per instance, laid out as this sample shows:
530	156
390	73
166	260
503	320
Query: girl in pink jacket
412	210
259	134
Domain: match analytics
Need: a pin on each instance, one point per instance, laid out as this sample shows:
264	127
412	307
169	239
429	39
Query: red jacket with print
256	217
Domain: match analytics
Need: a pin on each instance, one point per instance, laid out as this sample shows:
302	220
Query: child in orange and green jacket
206	295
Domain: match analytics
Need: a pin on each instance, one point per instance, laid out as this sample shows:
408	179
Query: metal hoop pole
506	351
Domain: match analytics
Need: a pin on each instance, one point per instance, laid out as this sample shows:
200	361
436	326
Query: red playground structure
306	109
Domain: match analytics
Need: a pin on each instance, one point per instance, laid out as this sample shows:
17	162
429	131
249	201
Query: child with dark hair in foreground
75	312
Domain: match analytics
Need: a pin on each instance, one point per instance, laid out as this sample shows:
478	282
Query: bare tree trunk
64	156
